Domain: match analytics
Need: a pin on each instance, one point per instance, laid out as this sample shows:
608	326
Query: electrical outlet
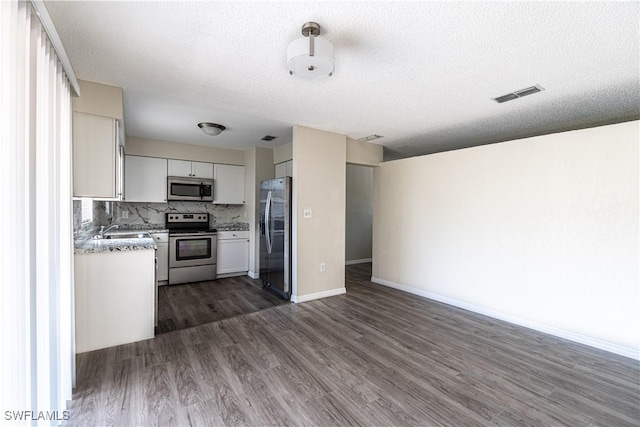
125	214
307	213
323	267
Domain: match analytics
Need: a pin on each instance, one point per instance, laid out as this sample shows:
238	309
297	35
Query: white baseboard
253	275
318	295
582	339
358	261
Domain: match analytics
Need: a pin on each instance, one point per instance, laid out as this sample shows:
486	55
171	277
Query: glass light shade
300	63
211	129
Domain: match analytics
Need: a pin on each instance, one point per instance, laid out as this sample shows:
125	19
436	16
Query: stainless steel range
192	248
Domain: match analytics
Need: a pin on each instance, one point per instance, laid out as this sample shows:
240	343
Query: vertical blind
36	293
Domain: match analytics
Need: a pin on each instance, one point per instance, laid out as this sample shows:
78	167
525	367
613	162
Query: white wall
364	153
320	184
283	153
99	99
177	150
540	231
359	215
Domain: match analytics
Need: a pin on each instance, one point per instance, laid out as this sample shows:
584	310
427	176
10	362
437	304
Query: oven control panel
182	217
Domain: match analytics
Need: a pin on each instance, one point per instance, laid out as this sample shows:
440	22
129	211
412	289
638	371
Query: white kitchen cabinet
284	169
228	182
162	253
190	169
281	170
145	179
233	253
202	170
98	157
114	298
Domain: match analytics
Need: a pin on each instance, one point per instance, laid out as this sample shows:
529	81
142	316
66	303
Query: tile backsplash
107	213
154	213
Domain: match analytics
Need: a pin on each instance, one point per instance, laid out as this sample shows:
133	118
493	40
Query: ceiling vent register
370	137
268	138
518	94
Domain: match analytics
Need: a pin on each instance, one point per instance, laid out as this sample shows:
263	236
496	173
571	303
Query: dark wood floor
374	356
193	304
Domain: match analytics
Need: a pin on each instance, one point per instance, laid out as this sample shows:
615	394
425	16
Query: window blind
36	293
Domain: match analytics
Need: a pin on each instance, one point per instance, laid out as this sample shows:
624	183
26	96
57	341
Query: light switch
307	213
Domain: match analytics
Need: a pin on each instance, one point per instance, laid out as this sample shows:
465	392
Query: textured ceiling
420	73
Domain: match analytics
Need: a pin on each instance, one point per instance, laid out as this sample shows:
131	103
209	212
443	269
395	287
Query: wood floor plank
192	304
374	356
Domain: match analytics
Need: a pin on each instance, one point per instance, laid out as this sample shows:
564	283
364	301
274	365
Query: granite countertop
88	245
234	226
92	246
149	228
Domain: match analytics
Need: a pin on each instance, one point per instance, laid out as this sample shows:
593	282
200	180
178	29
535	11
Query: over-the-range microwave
195	189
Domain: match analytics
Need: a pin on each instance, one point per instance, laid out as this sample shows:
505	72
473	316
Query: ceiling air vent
370	137
518	94
268	138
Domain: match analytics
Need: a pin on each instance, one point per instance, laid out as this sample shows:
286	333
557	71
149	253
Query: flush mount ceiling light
211	129
312	58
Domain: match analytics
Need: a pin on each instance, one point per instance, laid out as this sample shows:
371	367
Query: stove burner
188	223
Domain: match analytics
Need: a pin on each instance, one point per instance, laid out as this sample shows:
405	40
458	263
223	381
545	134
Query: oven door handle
192	235
267	225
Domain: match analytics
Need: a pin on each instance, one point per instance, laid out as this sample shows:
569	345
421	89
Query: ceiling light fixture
211	129
311	58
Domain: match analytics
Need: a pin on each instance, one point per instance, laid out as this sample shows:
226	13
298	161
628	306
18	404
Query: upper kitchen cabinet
190	169
228	181
284	169
98	151
145	179
98	142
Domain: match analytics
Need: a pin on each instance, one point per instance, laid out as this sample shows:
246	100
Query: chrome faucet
102	230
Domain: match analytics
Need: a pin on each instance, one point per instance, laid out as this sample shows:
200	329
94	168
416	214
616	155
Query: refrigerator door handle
267	225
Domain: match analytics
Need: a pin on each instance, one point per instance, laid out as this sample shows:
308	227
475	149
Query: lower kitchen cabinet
162	242
114	298
233	253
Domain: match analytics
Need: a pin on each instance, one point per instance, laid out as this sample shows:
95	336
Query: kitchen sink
128	235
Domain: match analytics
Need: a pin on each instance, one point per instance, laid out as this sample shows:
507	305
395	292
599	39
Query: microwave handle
202	190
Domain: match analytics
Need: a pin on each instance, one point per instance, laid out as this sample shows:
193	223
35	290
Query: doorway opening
359	221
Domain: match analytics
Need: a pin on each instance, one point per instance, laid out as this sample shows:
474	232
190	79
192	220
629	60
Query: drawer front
160	237
225	235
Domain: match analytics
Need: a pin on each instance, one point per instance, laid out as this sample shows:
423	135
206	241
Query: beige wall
283	153
99	99
259	166
173	150
319	184
540	231
363	153
359	217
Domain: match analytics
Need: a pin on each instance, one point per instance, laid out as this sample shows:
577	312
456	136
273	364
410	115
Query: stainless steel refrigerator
275	235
